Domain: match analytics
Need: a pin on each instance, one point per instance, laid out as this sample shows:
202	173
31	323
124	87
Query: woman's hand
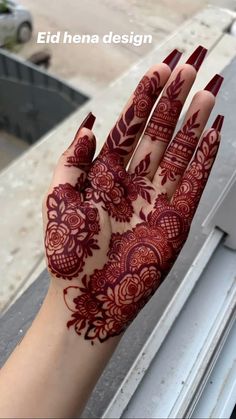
112	234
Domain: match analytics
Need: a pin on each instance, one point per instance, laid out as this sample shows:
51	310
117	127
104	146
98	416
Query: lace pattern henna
70	233
128	126
165	116
180	151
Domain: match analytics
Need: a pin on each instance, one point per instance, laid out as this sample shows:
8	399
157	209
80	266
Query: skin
111	236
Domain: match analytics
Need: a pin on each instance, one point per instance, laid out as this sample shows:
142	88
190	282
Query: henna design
189	192
70	231
180	151
112	186
124	132
165	116
110	299
82	154
139	259
105	302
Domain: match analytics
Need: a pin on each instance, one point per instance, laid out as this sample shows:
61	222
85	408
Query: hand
112	234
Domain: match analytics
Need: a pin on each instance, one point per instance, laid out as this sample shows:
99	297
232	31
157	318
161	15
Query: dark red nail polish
172	59
196	59
88	121
214	85
217	124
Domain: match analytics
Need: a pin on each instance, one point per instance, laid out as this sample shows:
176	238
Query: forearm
52	371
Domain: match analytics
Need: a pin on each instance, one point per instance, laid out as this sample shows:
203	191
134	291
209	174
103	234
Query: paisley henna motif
165	116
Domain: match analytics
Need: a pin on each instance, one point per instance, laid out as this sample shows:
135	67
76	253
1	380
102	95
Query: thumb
74	163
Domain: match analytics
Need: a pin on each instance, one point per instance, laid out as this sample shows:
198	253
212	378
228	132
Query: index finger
125	134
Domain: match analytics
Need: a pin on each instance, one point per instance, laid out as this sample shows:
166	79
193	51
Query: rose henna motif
195	178
118	291
115	188
139	259
102	216
82	149
71	230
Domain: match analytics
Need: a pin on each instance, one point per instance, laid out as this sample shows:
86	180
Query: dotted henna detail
112	186
70	232
180	151
165	116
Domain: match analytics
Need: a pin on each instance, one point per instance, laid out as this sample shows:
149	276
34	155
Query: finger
181	149
191	187
74	163
125	134
161	126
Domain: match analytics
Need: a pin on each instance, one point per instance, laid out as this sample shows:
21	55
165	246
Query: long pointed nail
218	123
214	84
172	59
88	122
197	57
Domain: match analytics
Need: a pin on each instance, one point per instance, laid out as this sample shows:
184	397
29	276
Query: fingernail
172	59
217	124
197	57
88	122
214	85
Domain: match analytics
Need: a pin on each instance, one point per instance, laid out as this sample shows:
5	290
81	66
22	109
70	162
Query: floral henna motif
83	152
70	232
122	135
180	151
139	259
112	186
188	194
165	116
110	299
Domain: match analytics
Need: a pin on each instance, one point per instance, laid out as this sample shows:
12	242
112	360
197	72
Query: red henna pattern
123	286
165	116
180	151
188	194
138	260
82	153
112	186
124	132
70	232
